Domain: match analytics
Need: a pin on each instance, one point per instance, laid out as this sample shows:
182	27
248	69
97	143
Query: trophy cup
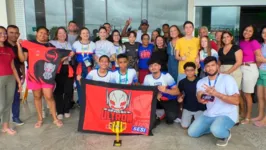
117	127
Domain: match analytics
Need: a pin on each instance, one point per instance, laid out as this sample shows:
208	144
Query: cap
153	61
144	21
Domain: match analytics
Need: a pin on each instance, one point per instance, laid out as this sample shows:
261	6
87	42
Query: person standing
175	34
251	55
39	88
160	53
230	60
108	37
132	48
260	120
64	79
72	32
203	31
187	49
166	31
104	47
221	95
218	38
154	35
144	26
144	54
83	49
12	38
119	46
8	78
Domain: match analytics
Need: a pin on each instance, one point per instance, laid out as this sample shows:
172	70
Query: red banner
106	103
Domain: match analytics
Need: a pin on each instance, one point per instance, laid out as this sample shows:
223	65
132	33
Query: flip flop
259	124
245	121
58	123
9	131
38	124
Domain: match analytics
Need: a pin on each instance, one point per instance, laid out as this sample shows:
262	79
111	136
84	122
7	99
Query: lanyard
83	49
214	81
120	80
64	46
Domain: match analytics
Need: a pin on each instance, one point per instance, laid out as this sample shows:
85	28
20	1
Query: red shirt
214	45
6	57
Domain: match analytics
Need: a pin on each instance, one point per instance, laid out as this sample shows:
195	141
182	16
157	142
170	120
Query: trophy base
117	143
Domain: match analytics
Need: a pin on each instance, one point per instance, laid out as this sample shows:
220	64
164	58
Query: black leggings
63	92
171	110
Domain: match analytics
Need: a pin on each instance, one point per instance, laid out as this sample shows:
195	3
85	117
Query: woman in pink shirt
251	55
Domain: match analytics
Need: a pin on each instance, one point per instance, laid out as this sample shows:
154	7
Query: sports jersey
43	62
128	78
93	75
165	79
144	55
104	47
203	54
84	52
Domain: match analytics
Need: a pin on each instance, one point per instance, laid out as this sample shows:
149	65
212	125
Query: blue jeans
173	66
218	126
16	104
84	74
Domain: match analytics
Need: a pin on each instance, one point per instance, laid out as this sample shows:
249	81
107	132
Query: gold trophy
117	127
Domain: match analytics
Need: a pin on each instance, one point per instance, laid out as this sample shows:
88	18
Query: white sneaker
67	115
43	114
60	117
223	142
177	120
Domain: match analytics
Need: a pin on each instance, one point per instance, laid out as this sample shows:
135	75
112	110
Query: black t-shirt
17	62
161	54
229	58
189	89
132	54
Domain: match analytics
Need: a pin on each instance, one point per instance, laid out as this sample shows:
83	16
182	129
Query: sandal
259	124
58	123
38	124
245	121
9	131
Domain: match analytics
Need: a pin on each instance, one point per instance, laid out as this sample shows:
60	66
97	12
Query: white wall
229	2
3	13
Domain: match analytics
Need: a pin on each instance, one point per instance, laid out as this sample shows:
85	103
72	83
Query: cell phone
207	97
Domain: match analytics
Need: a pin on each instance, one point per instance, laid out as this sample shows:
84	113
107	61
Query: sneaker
67	115
223	142
60	117
177	120
18	122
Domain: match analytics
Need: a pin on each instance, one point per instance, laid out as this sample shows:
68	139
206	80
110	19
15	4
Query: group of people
199	80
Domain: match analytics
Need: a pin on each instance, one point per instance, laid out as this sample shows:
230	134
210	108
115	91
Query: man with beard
72	31
220	94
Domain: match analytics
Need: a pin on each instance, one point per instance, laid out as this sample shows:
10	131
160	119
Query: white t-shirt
93	75
128	78
65	45
139	34
80	48
104	47
227	85
120	49
203	54
165	80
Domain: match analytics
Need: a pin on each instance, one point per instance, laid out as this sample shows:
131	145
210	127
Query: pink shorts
37	86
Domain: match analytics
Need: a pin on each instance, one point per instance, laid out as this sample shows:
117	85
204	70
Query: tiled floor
49	137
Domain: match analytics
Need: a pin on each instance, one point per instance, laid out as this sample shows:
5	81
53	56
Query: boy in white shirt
124	75
101	74
157	78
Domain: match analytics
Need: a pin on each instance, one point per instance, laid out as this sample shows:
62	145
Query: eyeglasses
3	34
189	70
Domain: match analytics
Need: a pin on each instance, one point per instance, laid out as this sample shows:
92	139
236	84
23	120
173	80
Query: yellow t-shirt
188	48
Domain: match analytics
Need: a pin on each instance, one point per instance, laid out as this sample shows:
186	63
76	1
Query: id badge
87	63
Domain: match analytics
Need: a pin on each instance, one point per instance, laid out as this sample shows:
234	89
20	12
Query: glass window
121	10
173	12
30	18
94	13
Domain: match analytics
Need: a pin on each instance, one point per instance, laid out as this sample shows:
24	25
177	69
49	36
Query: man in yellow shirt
187	49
